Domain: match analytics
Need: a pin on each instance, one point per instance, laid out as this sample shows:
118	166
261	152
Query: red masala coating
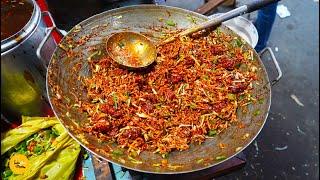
194	88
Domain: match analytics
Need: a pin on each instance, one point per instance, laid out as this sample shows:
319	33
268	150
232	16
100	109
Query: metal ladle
135	51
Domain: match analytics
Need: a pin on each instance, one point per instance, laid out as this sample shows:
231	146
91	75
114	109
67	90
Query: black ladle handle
258	4
244	9
247	8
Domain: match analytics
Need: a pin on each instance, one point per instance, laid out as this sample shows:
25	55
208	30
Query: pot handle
275	62
44	41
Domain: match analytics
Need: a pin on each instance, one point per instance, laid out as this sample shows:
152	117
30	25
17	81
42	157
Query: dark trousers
264	23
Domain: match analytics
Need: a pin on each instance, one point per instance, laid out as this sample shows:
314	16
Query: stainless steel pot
22	73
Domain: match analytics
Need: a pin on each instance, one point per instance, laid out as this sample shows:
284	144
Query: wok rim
163	172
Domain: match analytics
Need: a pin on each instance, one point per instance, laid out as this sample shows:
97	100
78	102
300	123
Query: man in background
264	23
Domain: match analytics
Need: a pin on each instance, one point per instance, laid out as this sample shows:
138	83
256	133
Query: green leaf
165	155
67	99
193	106
121	44
115	100
214	59
135	161
261	101
92	55
206	77
218	31
241	97
85	155
158	106
47	134
192	19
170	23
54	133
127	93
134	153
22	148
231	96
237	42
38	150
22	145
7	173
117	152
212	133
256	112
199	161
47	146
238	65
220	158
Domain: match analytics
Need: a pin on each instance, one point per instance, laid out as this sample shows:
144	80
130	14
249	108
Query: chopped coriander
121	44
193	106
135	161
192	19
38	150
261	101
165	155
231	96
7	173
212	133
241	97
54	133
220	157
218	31
117	152
256	112
115	100
237	42
85	155
93	54
199	161
158	105
238	65
127	94
170	23
206	77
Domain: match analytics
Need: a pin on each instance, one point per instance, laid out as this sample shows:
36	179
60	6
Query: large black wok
64	89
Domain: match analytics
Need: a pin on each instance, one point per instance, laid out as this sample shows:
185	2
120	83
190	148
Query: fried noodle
192	93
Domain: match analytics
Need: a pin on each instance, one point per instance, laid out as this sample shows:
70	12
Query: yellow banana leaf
58	162
15	136
63	165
